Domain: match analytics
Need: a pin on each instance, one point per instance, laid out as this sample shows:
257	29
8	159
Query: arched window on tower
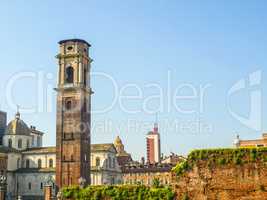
10	143
68	104
69	74
20	143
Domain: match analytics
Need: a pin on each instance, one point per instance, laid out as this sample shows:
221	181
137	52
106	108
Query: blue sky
199	43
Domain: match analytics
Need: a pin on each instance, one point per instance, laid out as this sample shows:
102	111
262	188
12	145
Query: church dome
120	147
17	127
118	141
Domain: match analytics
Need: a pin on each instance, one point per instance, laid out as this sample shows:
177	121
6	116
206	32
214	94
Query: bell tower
73	113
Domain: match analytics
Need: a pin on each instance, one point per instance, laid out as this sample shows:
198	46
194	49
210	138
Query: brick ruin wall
229	182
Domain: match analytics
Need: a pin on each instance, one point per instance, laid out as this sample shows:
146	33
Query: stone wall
205	180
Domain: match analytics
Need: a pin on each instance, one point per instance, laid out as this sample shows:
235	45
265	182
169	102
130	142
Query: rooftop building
251	143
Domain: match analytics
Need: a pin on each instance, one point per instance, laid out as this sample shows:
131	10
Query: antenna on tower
17	114
156	125
17	108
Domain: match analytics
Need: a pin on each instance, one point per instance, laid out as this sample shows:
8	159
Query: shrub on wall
124	192
215	157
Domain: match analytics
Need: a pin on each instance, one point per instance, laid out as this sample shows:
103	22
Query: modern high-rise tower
73	113
153	145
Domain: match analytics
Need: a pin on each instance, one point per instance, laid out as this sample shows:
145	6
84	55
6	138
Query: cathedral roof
17	127
103	147
40	150
35	170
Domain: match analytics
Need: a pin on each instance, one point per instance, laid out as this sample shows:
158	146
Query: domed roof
118	141
17	127
120	147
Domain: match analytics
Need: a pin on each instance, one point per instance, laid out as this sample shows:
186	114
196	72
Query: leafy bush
124	192
156	183
213	157
221	161
182	167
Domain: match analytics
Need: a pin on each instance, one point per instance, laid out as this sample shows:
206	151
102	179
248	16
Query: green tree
156	183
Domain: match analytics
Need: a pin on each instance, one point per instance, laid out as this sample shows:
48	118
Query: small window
39	163
38	141
112	181
50	163
113	163
27	163
41	186
30	186
32	140
97	162
20	143
109	162
69	48
18	163
10	143
28	144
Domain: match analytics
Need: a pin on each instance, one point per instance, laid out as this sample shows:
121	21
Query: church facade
29	165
